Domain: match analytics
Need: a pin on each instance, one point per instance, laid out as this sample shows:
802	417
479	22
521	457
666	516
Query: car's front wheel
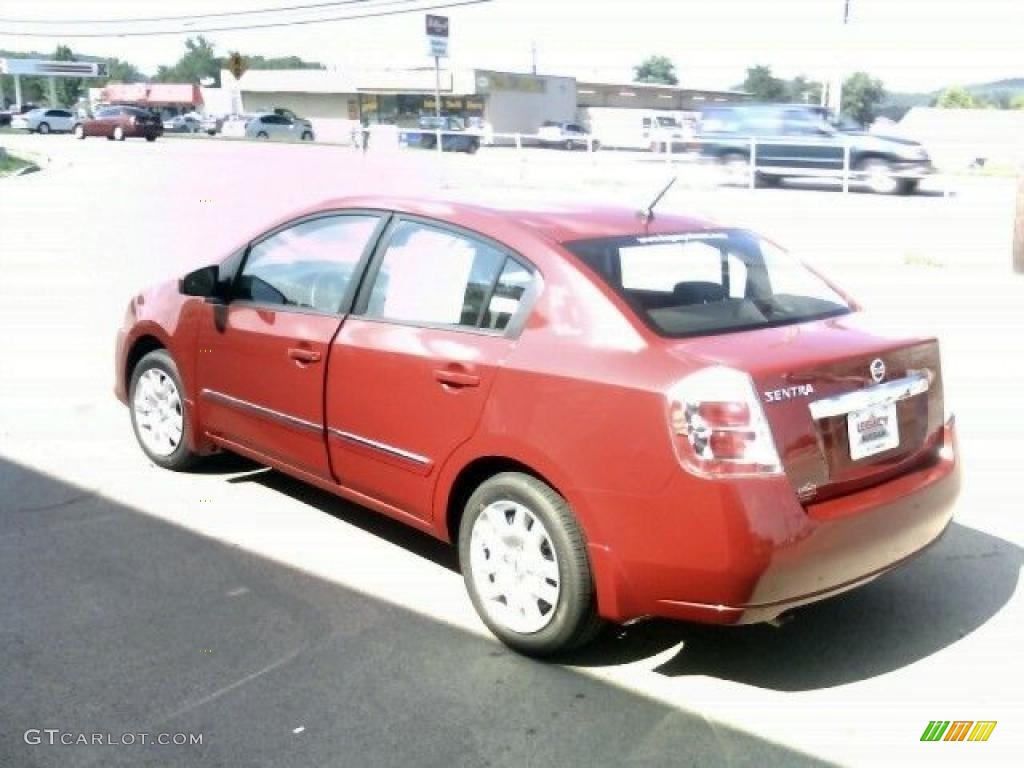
307	136
159	412
879	177
43	128
150	137
524	560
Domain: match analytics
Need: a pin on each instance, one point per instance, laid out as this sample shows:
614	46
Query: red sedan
120	123
613	416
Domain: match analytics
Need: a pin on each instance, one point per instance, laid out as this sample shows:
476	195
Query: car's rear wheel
118	133
79	131
151	138
472	147
262	135
307	136
159	412
524	560
44	128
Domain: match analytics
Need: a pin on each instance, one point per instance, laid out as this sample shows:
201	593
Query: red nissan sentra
613	415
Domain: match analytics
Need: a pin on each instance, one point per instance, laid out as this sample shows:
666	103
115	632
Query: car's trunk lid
819	383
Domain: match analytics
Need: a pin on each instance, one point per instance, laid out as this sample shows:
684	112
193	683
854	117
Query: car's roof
556	222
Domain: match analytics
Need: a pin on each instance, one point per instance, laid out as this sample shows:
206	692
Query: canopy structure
153	94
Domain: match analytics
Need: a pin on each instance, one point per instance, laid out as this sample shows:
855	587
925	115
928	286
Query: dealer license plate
873	430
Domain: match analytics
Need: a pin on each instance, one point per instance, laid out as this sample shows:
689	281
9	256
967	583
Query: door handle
456	378
303	355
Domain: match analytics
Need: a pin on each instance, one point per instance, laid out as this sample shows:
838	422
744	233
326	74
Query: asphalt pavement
291	628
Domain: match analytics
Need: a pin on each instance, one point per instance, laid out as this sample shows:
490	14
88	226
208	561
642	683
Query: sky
910	44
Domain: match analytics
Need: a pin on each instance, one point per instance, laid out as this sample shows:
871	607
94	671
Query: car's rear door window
709	282
432	275
309	265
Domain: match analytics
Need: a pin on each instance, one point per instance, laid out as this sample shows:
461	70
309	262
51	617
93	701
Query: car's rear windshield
708	282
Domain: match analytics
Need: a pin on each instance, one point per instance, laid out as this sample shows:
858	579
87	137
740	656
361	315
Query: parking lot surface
291	628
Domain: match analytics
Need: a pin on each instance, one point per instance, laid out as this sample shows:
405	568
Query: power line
280	9
189	29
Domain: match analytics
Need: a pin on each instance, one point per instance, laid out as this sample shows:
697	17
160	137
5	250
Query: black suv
801	140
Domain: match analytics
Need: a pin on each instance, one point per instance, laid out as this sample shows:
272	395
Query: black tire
766	180
151	138
307	136
262	135
908	186
575	620
182	458
43	128
473	147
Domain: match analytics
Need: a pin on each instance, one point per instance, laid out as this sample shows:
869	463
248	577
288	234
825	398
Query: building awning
153	94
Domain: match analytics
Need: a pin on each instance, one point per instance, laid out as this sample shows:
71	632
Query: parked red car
120	123
614	416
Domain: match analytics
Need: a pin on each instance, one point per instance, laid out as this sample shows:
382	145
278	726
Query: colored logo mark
958	730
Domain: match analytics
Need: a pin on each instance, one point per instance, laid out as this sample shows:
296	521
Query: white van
625	128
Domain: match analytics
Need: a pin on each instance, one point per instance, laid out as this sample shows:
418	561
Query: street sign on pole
437	35
437	38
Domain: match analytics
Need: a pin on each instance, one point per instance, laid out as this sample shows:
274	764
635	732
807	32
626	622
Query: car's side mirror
201	282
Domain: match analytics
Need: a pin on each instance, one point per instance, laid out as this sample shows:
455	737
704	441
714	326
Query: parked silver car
275	126
44	120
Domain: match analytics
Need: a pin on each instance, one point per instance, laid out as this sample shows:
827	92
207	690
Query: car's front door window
307	266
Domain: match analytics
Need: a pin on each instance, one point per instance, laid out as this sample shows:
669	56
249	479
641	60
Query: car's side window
307	266
436	276
507	295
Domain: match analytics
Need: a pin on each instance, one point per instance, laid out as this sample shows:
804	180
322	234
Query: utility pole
437	88
835	91
1018	235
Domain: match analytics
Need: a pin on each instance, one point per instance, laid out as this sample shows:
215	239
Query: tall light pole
835	91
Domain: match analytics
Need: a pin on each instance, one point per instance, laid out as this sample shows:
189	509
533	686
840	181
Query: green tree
764	86
956	97
1017	102
283	62
199	62
69	89
804	91
862	96
122	72
656	69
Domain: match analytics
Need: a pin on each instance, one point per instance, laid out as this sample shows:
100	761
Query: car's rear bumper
761	554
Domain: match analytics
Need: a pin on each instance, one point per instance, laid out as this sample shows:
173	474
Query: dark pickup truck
800	140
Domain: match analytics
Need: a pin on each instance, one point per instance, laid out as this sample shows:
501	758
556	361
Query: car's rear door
412	366
262	356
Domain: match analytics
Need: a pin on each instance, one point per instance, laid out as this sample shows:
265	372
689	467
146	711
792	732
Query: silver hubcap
514	567
158	412
880	179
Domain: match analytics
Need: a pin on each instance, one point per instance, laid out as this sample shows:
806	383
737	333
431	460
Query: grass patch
914	259
9	164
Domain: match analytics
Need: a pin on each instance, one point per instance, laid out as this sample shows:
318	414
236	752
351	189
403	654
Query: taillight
718	427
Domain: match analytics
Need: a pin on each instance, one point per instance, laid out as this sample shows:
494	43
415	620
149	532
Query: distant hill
898	103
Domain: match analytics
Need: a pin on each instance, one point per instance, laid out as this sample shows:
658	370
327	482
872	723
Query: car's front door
411	367
263	355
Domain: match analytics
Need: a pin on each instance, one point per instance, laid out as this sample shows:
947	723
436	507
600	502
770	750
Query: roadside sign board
437	26
53	68
437	35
